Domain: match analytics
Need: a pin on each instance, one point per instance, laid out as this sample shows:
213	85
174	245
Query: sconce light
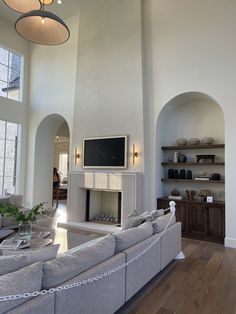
135	154
77	155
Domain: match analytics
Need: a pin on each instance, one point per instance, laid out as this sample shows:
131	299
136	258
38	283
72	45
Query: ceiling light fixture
37	25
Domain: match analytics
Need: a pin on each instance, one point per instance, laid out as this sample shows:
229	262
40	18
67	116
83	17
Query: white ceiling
64	10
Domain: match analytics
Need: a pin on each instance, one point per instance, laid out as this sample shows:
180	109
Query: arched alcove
188	115
44	150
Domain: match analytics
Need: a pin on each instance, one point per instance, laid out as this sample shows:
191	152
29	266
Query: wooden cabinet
200	220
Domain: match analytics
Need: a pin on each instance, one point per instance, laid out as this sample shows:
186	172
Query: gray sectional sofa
101	296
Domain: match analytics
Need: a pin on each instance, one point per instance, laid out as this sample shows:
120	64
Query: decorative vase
25	231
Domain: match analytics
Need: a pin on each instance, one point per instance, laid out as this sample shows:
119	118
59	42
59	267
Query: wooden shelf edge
201	146
192	163
192	180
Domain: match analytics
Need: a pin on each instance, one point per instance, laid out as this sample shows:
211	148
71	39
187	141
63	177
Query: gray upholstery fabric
38	255
157	213
8	221
125	239
27	279
170	244
11	263
133	221
66	267
161	222
144	268
104	296
39	305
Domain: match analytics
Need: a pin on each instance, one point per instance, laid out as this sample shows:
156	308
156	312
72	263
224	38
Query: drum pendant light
42	27
23	6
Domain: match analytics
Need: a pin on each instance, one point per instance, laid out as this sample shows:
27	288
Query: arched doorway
192	115
44	156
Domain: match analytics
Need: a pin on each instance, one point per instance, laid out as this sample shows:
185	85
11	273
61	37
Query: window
10	74
63	164
8	153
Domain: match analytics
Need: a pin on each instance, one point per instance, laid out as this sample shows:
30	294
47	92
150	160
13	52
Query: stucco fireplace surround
80	182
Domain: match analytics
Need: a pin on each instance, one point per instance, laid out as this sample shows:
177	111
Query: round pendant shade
42	27
23	6
47	1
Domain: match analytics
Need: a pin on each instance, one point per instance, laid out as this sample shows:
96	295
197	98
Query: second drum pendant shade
42	27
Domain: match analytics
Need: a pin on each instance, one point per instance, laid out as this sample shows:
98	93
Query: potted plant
24	218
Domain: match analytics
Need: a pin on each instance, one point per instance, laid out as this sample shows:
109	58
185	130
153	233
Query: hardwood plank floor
204	282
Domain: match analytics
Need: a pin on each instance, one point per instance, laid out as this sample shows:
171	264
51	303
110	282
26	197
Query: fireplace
125	185
103	206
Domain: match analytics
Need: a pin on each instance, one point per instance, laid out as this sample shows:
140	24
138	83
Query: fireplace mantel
79	182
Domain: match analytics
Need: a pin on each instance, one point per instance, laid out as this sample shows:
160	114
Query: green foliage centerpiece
23	217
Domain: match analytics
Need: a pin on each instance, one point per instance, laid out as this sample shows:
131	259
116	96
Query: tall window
10	74
8	153
63	164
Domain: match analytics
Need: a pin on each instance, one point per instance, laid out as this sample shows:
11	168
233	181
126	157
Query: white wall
11	110
191	47
109	74
52	91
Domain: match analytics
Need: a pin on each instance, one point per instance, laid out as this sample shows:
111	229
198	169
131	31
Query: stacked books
202	178
173	197
10	244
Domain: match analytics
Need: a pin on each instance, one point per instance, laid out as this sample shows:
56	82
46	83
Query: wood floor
204	282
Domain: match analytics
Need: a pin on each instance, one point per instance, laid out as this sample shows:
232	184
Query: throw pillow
27	279
157	213
11	263
62	268
161	222
133	221
125	239
42	254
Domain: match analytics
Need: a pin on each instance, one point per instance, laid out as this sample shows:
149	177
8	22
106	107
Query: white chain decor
95	278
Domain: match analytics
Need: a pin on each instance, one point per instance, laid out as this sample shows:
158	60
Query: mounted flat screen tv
105	152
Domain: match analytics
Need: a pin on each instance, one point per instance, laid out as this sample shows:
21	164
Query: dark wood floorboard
204	282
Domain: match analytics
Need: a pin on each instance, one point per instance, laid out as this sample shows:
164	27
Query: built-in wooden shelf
199	146
182	164
192	180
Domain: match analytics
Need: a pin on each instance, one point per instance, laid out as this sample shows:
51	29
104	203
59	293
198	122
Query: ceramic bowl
193	141
207	140
181	141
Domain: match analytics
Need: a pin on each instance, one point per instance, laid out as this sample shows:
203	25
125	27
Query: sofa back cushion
66	267
27	279
12	263
125	239
160	223
36	255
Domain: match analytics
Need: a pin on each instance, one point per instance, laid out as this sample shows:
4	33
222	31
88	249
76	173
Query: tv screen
105	152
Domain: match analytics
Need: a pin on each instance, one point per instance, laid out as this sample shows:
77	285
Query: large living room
128	100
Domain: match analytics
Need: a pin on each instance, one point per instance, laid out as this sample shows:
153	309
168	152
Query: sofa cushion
27	279
125	239
157	213
12	263
66	267
161	222
42	254
133	221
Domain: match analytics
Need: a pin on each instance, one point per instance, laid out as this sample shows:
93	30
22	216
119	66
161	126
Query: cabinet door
182	216
216	225
198	217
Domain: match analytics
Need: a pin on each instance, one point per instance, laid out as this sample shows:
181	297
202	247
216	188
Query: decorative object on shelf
209	199
204	194
215	176
205	157
135	154
207	140
175	192
176	174
190	194
189	175
38	25
171	174
200	198
182	174
182	158
181	141
193	141
176	154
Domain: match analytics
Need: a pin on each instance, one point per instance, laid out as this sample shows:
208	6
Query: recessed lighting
59	1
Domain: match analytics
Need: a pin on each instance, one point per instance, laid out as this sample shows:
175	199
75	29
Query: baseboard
230	242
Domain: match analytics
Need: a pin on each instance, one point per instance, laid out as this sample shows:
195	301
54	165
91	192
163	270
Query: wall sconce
77	155
135	154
